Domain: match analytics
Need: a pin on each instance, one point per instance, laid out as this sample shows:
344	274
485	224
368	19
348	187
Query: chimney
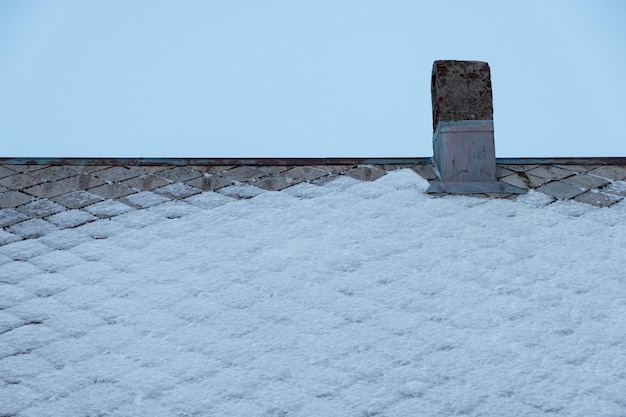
463	139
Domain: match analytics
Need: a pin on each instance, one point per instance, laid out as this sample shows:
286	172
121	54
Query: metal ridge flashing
599	160
211	161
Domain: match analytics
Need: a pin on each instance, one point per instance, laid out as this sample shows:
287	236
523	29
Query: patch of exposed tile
108	208
41	208
47	190
212	169
71	218
54	173
305	173
77	199
523	180
276	183
5	172
9	216
179	174
549	172
247	172
425	171
586	181
32	228
114	190
19	181
145	182
334	169
177	190
396	167
597	199
577	168
82	181
13	199
241	191
365	173
144	199
560	190
612	172
210	182
118	173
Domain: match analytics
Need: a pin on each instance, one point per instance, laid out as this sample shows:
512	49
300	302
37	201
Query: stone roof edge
290	161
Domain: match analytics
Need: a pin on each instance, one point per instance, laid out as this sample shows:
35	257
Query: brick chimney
463	138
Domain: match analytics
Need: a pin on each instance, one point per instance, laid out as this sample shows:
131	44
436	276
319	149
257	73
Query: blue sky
302	78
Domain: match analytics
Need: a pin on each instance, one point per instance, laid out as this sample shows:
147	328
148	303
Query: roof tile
143	199
305	173
177	190
71	218
32	228
179	174
365	173
10	216
5	172
19	181
13	199
77	199
549	172
246	172
616	188
276	183
210	182
54	173
523	180
612	172
145	182
114	190
597	199
426	171
586	181
82	181
118	173
48	189
41	208
560	190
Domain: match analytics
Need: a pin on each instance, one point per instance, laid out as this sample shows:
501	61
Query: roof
35	194
309	288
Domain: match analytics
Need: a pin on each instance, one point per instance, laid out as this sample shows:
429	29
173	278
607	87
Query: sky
316	301
302	78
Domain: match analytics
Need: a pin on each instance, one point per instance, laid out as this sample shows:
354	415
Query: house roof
308	288
34	193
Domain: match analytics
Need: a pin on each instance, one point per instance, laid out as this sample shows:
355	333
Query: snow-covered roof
309	288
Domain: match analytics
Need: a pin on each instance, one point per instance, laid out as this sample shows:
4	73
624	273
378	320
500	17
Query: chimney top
461	90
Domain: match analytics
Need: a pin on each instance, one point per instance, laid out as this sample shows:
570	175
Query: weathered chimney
463	139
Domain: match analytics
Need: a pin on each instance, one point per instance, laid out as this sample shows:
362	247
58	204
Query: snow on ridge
352	298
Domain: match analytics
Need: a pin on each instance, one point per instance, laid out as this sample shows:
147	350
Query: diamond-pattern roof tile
72	196
612	172
19	181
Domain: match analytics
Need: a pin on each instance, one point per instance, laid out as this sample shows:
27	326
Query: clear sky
302	78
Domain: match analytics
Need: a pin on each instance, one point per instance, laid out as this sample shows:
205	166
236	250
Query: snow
352	298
